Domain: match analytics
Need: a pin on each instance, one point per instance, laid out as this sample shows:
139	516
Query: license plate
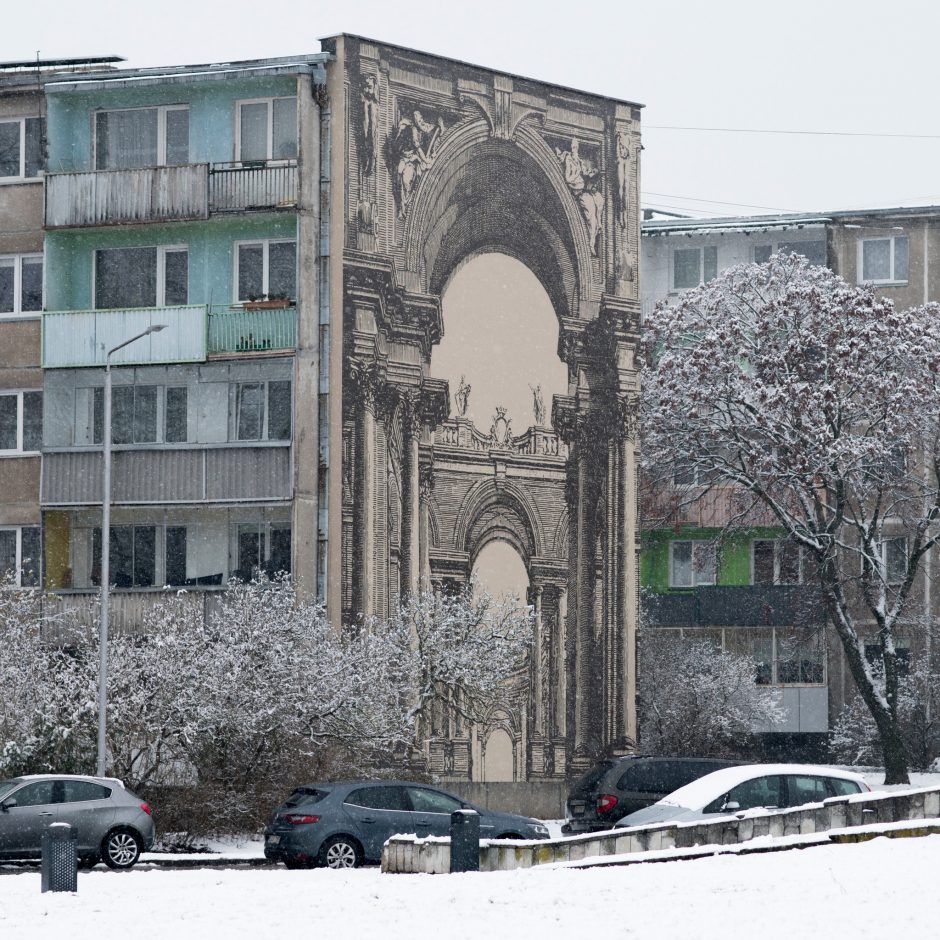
577	809
273	840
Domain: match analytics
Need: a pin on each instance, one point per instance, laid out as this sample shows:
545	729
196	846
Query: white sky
817	65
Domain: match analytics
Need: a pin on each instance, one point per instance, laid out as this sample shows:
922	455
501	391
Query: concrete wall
543	799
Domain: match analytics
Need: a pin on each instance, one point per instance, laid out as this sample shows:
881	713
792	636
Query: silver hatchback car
111	823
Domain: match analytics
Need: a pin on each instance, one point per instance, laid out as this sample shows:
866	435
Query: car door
86	807
378	812
21	825
432	809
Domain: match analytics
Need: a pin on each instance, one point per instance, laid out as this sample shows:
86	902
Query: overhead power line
715	202
767	130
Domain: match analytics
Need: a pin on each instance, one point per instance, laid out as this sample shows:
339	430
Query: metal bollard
59	858
464	840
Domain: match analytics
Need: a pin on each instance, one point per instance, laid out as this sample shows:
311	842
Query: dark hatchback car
345	824
617	787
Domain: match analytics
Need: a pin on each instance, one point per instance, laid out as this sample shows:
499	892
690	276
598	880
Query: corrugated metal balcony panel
237	330
669	610
164	475
109	197
237	188
759	605
249	473
76	338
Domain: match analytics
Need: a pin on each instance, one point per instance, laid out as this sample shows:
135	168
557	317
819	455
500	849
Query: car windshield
6	786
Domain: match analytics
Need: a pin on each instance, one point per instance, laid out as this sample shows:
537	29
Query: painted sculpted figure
623	178
462	396
584	182
538	405
413	151
369	97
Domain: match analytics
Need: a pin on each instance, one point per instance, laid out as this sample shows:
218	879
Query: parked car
749	786
617	787
345	824
111	823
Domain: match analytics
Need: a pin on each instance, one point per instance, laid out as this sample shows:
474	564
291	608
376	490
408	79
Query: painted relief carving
584	183
501	429
462	396
538	405
623	178
410	153
369	102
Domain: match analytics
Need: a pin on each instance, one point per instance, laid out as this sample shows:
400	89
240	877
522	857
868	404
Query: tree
817	403
697	700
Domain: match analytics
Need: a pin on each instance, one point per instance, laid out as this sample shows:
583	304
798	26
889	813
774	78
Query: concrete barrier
404	854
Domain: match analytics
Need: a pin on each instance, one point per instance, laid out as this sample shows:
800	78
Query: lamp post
106	549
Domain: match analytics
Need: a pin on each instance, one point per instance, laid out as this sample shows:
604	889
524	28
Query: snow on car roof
700	792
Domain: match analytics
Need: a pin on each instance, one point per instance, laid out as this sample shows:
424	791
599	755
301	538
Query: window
883	260
805	789
267	129
132	556
22	148
21	555
20	422
759	792
875	657
389	797
814	252
136	414
176	412
263	411
691	563
800	659
775	561
141	277
81	791
142	137
35	794
694	266
687	473
893	559
430	801
20	284
262	548
265	269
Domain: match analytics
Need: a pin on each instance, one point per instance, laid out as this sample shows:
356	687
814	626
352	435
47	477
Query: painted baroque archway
443	161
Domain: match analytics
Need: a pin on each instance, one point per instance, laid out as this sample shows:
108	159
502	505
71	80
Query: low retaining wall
408	854
543	799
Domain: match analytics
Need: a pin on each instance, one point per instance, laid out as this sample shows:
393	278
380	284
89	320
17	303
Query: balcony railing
113	197
236	187
241	330
167	193
74	338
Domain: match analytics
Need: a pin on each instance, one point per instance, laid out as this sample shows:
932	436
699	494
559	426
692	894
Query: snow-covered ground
872	890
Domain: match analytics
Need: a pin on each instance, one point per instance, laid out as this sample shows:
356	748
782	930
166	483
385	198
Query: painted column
628	567
411	511
424	530
585	608
367	413
561	665
538	710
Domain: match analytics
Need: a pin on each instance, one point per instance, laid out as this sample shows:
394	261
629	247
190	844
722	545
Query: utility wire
755	130
715	202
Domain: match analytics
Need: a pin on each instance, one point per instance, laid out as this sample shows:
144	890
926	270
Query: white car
749	786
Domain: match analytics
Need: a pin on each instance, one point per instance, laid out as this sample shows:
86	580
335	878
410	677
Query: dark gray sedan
343	825
111	823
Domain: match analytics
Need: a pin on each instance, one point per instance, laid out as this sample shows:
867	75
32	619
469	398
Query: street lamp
106	549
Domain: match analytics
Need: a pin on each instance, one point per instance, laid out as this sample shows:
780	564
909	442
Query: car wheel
121	848
340	852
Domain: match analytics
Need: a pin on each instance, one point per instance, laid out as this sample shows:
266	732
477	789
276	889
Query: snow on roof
701	792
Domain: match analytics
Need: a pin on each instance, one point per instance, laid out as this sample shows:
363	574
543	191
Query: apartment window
267	129
762	253
141	277
262	548
176	415
132	556
139	137
20	422
775	561
694	266
893	559
139	412
263	411
21	555
22	148
875	657
800	659
814	252
265	269
883	260
691	563
20	284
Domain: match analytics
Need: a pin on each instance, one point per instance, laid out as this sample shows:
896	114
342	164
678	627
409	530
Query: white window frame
697	571
235	404
265	265
18	312
269	148
701	249
18	450
18	529
21	177
882	557
892	279
778	544
162	251
161	110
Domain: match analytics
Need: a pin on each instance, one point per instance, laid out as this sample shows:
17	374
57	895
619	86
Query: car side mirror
731	807
6	804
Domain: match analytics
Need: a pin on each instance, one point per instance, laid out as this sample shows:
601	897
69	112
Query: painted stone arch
485	194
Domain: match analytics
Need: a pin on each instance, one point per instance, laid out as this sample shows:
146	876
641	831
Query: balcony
754	605
244	330
76	338
167	193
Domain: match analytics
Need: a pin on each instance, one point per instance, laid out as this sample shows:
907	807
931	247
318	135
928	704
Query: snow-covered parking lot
876	889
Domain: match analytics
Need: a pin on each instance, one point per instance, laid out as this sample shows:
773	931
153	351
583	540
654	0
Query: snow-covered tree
697	700
817	402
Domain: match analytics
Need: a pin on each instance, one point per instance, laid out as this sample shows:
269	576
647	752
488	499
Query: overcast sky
833	66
